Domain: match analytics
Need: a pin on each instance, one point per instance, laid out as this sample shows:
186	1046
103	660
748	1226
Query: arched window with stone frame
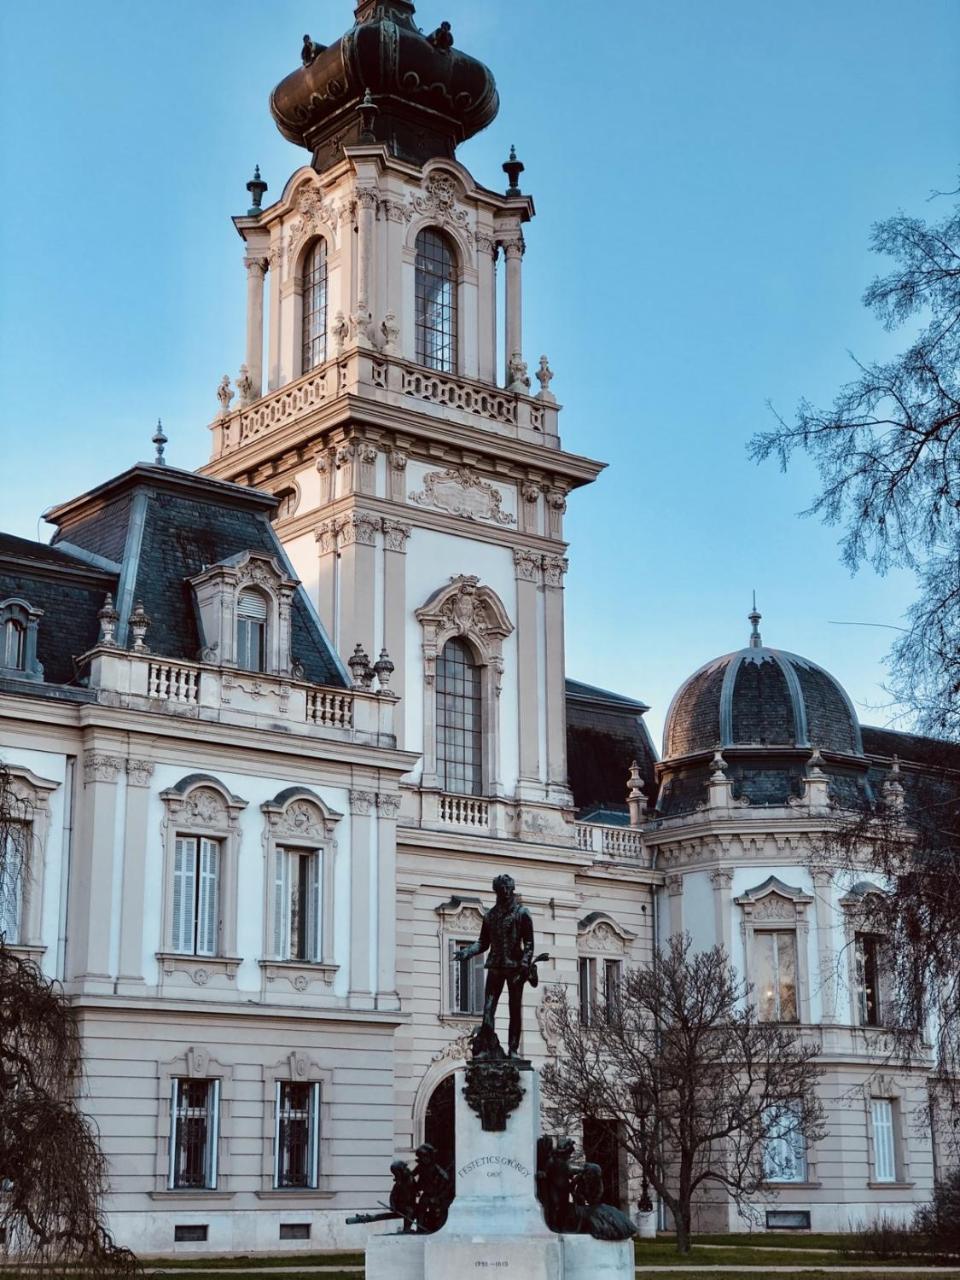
19	623
870	965
436	275
775	933
475	617
603	946
299	911
313	278
201	838
24	832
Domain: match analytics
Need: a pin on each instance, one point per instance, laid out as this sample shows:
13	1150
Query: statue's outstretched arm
475	948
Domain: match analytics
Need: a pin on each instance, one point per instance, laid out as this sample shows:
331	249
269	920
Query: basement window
788	1219
190	1232
294	1230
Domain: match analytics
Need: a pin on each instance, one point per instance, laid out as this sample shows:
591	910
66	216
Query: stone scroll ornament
461	492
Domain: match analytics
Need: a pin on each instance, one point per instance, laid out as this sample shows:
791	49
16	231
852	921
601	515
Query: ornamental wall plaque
460	492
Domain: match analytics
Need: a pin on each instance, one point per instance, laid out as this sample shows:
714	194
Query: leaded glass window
436	301
314	327
459	720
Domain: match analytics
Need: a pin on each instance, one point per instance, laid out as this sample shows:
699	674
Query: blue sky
705	177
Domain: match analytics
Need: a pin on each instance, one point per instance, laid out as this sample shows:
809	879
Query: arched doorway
438	1125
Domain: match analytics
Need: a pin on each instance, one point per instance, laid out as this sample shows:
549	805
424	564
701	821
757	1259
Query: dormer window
18	639
14	644
436	301
252	630
245	606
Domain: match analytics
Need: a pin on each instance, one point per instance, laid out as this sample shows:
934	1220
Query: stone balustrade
378	376
203	691
622	843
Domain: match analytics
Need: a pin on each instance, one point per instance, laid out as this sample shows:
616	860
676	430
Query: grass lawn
876	1273
778	1239
254	1261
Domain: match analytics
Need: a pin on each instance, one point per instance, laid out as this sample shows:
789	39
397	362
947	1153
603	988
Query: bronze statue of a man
507	936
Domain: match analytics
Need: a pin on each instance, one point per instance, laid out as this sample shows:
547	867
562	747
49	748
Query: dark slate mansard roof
140	536
606	732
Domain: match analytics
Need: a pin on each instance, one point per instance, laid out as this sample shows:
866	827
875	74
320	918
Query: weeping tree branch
52	1173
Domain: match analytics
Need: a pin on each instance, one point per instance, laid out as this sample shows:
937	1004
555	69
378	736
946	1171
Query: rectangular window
196	878
788	1219
870	980
884	1140
13	869
467	979
297	905
612	978
588	989
784	1146
296	1138
775	970
194	1129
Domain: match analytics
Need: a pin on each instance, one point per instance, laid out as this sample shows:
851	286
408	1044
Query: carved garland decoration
312	213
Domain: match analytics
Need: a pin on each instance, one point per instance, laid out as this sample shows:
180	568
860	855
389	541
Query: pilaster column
528	566
256	270
275	260
826	952
722	879
513	328
91	873
674	886
362	976
395	535
326	536
388	806
366	211
139	775
355	610
487	307
554	567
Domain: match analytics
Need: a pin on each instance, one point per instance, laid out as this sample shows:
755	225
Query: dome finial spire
754	619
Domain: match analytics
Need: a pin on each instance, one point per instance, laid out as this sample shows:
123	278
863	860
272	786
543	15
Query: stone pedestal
495	1227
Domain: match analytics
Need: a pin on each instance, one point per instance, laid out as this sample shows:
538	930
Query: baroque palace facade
274	727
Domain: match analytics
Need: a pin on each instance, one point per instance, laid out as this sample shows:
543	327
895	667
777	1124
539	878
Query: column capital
513	246
674	883
98	767
358	527
139	772
721	879
395	535
326	536
554	567
388	806
256	264
528	564
362	802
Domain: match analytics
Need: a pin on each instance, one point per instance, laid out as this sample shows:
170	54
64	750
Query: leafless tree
888	453
52	1173
908	835
696	1084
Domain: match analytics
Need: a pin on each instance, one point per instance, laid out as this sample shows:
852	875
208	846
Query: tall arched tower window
436	301
14	644
314	345
459	720
252	631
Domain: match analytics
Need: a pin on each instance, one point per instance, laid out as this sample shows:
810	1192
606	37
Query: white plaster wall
308	482
432	560
302	552
53	767
250	875
699	913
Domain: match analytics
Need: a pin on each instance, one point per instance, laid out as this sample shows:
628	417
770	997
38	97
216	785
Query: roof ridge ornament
158	439
754	617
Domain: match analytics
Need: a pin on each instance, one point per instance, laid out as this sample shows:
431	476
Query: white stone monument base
495	1229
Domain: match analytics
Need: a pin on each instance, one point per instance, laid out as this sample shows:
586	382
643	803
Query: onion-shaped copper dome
760	697
385	81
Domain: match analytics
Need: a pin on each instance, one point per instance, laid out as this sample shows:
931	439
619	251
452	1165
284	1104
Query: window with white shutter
195	909
297	904
252	630
467	978
884	1140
